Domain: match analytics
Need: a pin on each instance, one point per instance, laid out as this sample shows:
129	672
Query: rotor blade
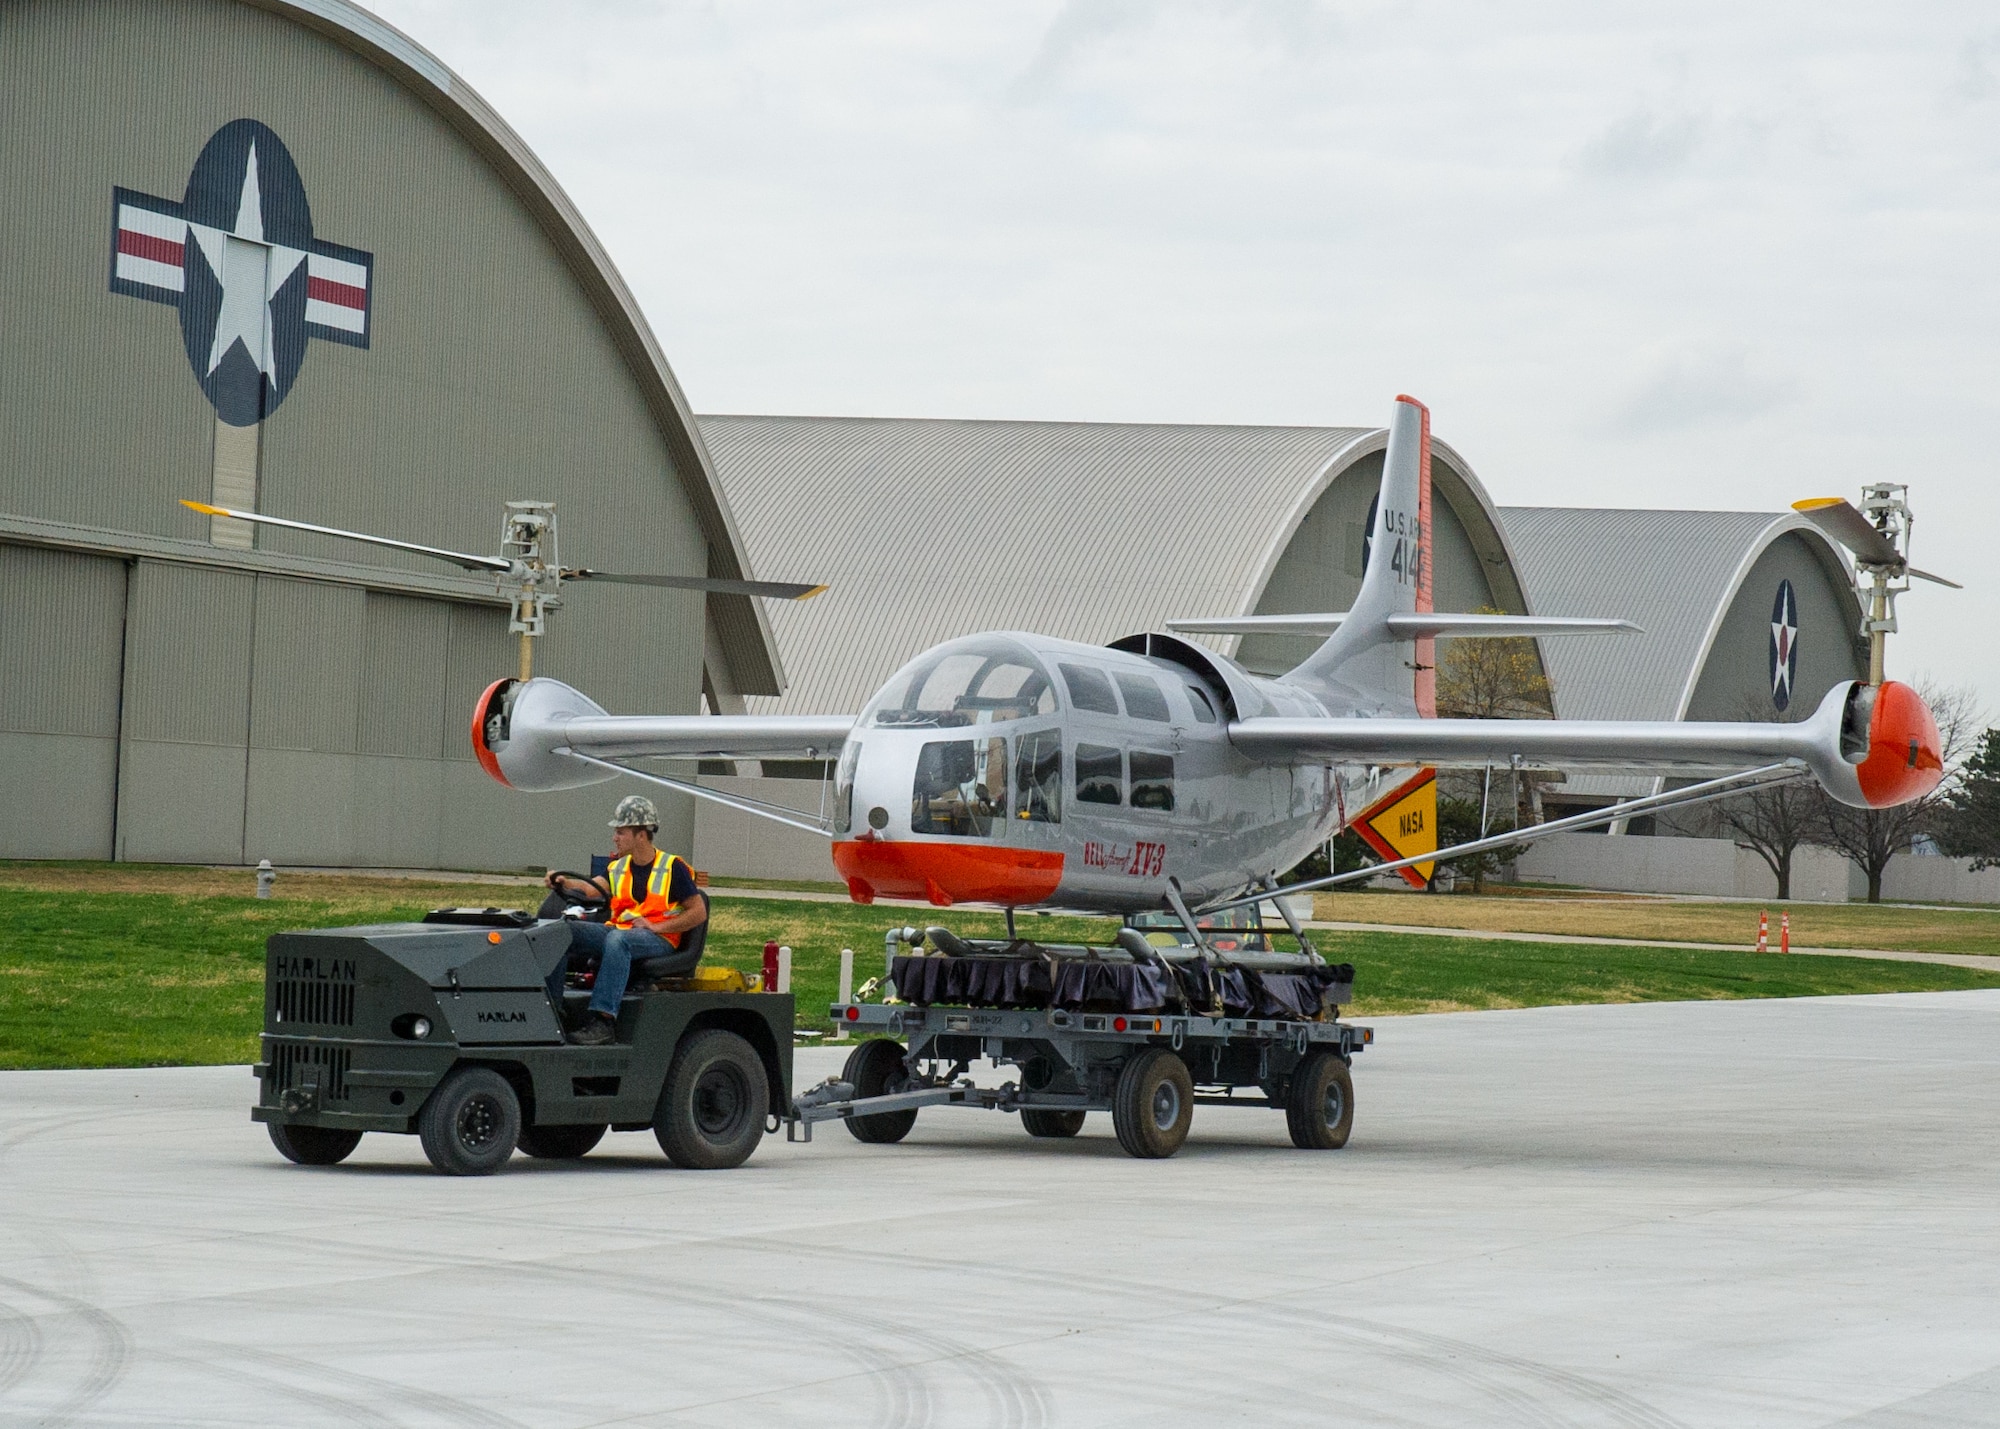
1936	580
457	558
776	590
1838	518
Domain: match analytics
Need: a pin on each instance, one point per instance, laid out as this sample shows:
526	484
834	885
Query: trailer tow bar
834	1100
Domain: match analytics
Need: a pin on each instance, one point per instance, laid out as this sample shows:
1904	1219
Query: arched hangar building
926	530
276	255
1746	614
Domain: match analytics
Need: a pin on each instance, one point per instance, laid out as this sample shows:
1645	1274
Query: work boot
597	1029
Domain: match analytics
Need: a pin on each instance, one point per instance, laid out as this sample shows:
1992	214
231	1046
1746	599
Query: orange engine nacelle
1905	758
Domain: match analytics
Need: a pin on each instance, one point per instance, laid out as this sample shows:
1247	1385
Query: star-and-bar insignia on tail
236	255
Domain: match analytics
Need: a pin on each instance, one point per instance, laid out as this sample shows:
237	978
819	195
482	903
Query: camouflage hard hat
635	811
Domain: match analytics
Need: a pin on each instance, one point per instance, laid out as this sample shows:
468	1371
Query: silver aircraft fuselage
1021	769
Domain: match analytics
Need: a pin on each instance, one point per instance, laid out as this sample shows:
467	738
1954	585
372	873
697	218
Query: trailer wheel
470	1123
712	1109
876	1069
1042	1121
1153	1104
559	1143
1320	1110
312	1145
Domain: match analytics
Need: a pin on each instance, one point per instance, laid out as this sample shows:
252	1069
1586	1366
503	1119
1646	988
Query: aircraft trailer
1143	1031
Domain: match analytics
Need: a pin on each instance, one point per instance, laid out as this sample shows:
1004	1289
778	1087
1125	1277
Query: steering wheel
593	899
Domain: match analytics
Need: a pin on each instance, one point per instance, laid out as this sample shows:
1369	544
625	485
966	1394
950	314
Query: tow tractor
1148	1028
444	1029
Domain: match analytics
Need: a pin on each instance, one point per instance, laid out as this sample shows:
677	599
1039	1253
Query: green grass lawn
1525	909
135	977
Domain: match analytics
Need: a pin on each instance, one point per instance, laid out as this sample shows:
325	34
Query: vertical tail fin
1363	658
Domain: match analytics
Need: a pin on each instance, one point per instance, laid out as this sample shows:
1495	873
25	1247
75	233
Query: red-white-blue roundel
1784	644
237	256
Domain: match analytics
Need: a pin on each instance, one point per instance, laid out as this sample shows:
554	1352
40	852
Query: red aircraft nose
946	873
1905	756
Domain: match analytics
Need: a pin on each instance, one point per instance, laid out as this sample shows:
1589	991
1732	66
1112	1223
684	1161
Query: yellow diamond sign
1403	824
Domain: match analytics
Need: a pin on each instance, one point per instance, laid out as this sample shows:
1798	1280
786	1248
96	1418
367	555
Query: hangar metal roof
1674	572
740	621
929	529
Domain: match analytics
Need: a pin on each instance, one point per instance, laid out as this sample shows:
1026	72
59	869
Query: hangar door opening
61	651
302	721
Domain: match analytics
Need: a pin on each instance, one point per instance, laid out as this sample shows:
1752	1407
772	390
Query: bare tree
1773	823
1871	837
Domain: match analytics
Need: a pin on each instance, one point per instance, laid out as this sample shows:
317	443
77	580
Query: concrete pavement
1984	962
1733	1213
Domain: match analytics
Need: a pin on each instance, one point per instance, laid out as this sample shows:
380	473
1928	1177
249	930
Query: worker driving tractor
658	920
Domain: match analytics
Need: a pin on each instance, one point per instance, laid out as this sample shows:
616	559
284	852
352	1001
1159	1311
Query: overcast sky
1685	254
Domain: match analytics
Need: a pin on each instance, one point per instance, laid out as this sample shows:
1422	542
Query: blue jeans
618	949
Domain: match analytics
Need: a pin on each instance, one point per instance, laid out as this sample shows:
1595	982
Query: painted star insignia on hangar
1784	644
238	257
252	273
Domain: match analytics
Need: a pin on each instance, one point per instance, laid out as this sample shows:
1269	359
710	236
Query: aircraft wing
1866	747
544	735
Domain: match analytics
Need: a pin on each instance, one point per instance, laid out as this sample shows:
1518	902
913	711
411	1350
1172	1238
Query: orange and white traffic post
1785	932
1763	930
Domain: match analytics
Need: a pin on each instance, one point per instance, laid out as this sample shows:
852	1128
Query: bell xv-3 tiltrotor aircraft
1158	776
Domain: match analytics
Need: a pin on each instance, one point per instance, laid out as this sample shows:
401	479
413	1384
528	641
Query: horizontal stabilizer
1412	625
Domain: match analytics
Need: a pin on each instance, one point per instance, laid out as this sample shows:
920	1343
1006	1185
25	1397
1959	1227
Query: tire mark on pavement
110	1351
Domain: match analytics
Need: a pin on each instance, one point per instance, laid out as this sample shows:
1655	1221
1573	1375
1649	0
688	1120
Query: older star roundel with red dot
1784	645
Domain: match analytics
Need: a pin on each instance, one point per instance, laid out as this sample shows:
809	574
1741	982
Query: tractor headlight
421	1027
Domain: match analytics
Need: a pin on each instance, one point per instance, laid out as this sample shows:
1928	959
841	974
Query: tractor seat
676	964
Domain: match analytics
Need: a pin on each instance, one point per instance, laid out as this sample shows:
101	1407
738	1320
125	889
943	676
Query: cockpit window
1089	689
972	682
1152	780
961	787
1100	775
843	787
1143	699
1038	777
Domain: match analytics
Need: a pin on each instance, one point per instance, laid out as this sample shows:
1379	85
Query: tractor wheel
312	1145
876	1069
712	1109
470	1123
1319	1112
1153	1105
559	1143
1041	1121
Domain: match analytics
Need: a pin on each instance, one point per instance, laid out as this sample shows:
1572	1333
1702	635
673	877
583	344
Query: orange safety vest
626	911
